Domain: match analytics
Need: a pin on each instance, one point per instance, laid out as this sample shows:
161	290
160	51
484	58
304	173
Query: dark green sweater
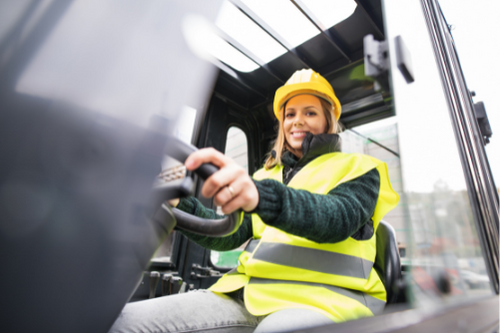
344	212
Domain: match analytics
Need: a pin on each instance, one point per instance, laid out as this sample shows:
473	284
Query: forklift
101	102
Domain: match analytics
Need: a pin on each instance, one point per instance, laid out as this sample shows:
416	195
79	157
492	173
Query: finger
173	202
233	205
221	179
206	155
246	196
226	194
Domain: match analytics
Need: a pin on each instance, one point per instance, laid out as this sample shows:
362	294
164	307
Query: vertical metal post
481	187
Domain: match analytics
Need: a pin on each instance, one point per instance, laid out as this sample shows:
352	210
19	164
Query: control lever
175	285
165	284
170	284
154	278
206	272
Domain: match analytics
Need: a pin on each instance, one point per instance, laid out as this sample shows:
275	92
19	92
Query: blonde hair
280	145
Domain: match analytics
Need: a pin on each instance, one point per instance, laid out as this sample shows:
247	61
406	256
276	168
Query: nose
298	120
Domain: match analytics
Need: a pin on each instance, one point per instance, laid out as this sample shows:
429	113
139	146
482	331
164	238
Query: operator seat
387	261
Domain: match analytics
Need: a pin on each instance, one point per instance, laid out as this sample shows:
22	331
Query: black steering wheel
180	151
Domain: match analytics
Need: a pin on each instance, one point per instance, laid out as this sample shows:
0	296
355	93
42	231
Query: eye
311	113
289	115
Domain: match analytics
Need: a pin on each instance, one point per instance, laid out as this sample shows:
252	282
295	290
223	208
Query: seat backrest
387	261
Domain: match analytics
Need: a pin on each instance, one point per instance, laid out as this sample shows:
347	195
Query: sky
475	31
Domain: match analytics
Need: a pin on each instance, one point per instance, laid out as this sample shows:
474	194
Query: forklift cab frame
395	70
380	69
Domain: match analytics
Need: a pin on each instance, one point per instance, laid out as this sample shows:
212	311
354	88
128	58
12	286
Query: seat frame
387	261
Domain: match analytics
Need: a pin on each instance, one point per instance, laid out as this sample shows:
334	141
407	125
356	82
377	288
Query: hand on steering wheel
241	191
231	186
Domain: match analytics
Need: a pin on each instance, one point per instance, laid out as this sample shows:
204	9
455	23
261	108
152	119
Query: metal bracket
377	61
376	56
483	122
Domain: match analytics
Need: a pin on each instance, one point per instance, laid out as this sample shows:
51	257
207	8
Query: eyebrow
307	107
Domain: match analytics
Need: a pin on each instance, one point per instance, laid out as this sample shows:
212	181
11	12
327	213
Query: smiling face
303	114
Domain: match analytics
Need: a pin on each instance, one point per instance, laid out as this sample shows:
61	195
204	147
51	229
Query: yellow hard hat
306	81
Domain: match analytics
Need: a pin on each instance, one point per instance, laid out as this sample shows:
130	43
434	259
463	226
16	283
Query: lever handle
154	278
175	285
165	284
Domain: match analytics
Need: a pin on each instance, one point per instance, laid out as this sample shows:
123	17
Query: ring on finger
231	190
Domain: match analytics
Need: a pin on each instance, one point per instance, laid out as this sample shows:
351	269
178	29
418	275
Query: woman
311	214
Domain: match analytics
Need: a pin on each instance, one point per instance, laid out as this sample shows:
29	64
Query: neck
296	152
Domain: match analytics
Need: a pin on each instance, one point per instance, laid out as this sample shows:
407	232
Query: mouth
298	134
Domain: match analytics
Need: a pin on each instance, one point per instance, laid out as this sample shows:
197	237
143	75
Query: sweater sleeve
329	218
192	206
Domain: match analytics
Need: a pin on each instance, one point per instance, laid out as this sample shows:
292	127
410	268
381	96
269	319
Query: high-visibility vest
279	270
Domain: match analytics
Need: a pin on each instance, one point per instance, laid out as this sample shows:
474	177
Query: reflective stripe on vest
294	267
252	245
314	260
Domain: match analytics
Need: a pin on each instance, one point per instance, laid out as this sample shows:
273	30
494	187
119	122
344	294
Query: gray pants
204	311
